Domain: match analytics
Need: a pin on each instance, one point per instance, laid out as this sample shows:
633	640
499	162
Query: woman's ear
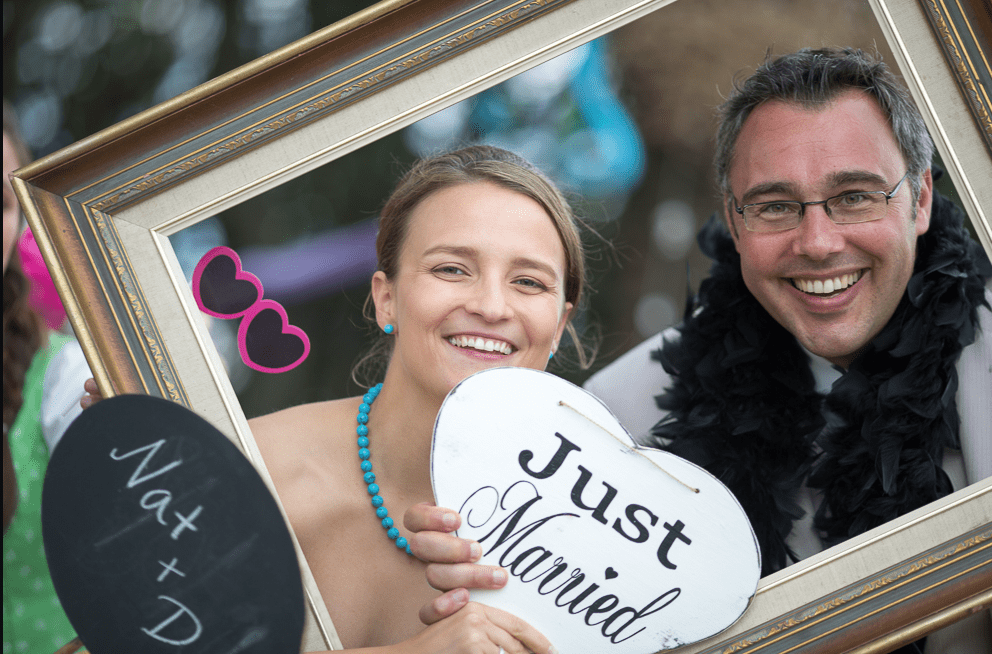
563	322
382	298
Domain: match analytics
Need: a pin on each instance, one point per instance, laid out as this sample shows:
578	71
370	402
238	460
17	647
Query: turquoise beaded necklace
381	511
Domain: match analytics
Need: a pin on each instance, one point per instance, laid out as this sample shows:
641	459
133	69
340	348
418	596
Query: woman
42	375
480	266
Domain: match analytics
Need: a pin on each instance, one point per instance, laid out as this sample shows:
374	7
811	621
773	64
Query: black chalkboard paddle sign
162	538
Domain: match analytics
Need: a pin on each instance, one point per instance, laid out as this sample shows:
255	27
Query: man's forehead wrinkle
773	140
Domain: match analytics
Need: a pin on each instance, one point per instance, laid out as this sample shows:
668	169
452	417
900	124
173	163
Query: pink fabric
43	298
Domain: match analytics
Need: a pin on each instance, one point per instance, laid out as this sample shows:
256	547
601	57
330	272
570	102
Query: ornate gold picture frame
103	210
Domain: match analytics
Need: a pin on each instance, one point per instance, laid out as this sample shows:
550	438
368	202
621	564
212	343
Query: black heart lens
224	289
223	292
266	343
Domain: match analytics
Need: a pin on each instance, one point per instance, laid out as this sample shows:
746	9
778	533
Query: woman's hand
456	624
92	394
480	630
451	560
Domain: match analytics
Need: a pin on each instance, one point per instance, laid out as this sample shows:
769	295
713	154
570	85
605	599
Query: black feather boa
743	403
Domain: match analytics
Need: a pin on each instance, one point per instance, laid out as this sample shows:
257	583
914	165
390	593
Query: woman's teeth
826	286
481	344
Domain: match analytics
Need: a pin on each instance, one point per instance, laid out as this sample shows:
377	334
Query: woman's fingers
452	568
465	575
430	537
476	628
443	606
427	517
92	394
525	638
437	547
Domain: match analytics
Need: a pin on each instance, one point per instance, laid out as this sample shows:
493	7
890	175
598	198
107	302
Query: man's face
785	152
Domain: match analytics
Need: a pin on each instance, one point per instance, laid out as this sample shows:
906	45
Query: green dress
33	620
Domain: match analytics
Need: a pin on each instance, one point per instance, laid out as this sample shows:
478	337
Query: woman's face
11	210
480	283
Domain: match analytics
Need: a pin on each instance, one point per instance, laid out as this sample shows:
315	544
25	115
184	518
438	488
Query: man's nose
817	237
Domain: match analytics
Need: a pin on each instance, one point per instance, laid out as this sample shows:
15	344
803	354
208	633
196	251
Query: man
836	363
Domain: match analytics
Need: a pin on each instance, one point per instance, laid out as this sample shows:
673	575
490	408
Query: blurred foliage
74	67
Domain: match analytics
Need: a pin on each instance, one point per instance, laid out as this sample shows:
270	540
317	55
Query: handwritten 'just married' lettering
515	544
674	531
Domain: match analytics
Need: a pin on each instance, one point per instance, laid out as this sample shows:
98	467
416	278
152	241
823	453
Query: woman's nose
489	300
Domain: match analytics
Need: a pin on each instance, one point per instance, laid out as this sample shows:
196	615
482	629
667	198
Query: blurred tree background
625	125
74	67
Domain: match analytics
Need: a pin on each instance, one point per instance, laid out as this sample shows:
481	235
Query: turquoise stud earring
389	329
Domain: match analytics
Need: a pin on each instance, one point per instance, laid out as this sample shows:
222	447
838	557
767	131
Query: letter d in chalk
172	618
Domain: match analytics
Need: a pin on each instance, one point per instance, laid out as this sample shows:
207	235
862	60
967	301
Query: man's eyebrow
845	177
840	178
768	188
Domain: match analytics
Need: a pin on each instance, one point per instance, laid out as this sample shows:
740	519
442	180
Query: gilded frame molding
102	211
965	42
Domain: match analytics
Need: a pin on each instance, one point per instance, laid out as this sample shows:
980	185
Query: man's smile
827	287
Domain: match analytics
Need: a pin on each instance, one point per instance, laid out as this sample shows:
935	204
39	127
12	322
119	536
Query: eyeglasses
843	209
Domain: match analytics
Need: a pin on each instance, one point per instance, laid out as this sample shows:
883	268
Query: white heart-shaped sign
610	547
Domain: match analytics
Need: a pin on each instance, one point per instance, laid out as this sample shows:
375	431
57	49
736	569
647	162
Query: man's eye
777	209
854	199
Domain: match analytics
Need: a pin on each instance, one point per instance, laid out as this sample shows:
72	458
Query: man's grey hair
812	79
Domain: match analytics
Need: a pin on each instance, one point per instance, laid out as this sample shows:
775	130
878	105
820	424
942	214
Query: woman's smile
481	344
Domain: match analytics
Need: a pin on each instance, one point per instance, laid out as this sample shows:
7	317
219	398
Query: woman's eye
528	282
449	270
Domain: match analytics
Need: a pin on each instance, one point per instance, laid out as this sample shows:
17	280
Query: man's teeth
825	286
481	344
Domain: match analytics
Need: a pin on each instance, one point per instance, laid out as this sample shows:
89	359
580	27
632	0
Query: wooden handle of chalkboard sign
70	647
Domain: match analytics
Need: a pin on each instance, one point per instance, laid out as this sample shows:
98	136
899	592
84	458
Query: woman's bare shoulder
304	420
306	450
289	438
